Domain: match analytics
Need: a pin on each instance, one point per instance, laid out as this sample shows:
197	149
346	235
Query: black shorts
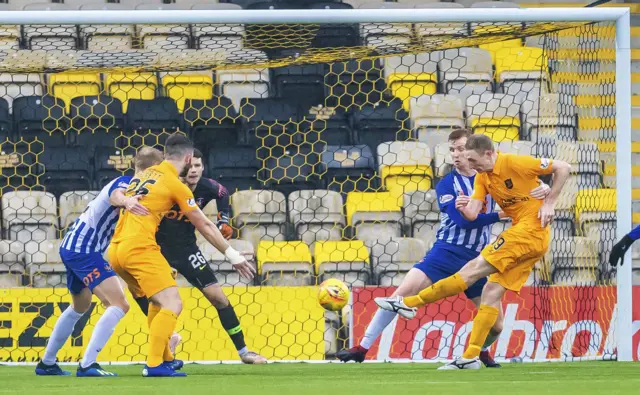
192	265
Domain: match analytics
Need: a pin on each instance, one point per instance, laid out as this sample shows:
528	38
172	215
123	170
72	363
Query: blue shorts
85	270
444	260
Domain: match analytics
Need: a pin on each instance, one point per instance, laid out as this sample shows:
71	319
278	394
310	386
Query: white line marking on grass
541	372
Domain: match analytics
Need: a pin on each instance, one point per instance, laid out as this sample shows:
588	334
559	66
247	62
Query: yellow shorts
143	268
515	252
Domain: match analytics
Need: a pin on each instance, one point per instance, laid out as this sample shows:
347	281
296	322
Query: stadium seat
422	215
411	76
285	263
66	169
392	258
107	37
334	35
111	163
183	85
466	71
72	204
11	263
50	37
552	115
163	37
267	122
225	273
211	122
96	121
19	166
6	122
293	170
327	125
521	71
374	215
10	37
305	83
405	166
442	160
259	215
375	124
41	117
575	262
125	86
156	115
227	37
426	31
496	115
29	216
13	85
245	83
44	264
494	47
236	169
316	215
584	158
382	36
69	85
346	169
354	83
596	216
434	117
347	261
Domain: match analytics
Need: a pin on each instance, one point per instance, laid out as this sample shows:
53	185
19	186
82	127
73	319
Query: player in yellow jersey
136	257
509	260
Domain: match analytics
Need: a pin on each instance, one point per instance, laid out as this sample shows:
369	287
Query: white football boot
461	363
396	304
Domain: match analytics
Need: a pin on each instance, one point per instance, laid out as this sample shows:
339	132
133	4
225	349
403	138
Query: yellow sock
151	314
167	355
449	286
160	331
482	324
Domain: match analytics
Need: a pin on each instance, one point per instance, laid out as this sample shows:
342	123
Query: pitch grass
584	378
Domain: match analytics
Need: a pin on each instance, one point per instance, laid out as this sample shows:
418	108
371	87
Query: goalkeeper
621	247
177	239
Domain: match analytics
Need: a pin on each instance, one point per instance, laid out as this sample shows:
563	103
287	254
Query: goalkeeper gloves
223	225
618	251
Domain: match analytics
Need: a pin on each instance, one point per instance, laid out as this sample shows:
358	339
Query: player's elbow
560	166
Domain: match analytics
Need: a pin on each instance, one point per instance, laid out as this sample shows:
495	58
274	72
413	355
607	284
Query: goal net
330	139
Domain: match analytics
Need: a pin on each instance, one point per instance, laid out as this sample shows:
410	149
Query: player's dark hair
147	157
459	133
479	143
197	154
178	145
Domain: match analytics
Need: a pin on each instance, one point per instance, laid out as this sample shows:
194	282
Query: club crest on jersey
191	203
544	163
445	198
508	183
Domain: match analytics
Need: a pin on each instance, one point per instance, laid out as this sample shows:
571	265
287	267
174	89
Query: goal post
577	109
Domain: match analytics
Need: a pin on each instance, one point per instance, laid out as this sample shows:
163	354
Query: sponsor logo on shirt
544	163
191	203
508	183
445	198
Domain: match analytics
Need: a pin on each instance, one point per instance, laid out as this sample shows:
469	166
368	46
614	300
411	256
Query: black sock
143	302
231	324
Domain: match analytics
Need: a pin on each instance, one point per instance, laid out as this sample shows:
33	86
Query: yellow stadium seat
125	86
188	86
503	129
67	86
370	202
400	179
404	86
525	59
495	47
285	262
596	200
346	260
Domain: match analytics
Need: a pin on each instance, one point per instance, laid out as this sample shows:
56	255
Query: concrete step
610	182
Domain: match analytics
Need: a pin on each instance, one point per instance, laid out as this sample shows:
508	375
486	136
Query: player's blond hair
147	157
479	143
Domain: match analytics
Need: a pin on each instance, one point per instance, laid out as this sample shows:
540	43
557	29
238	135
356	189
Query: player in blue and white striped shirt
82	252
457	242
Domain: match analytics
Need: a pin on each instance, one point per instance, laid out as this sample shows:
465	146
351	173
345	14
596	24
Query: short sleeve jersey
162	189
510	183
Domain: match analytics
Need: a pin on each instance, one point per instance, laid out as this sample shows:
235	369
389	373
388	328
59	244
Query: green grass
584	378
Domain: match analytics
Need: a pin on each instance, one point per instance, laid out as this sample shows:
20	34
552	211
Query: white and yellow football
333	294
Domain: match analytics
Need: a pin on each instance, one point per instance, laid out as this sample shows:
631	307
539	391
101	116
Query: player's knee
496	330
216	297
175	306
123	305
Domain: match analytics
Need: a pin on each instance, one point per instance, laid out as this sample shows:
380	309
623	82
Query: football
333	294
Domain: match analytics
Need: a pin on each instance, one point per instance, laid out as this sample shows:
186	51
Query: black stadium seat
96	120
303	83
106	161
330	128
375	124
66	169
346	169
159	114
267	122
355	82
294	170
41	117
211	122
236	169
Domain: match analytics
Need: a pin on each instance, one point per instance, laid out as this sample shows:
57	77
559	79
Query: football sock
153	310
449	286
143	302
160	331
491	338
101	334
231	324
482	324
381	319
61	332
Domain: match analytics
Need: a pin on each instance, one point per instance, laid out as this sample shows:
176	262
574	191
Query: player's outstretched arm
560	171
621	247
479	222
211	232
130	203
469	208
